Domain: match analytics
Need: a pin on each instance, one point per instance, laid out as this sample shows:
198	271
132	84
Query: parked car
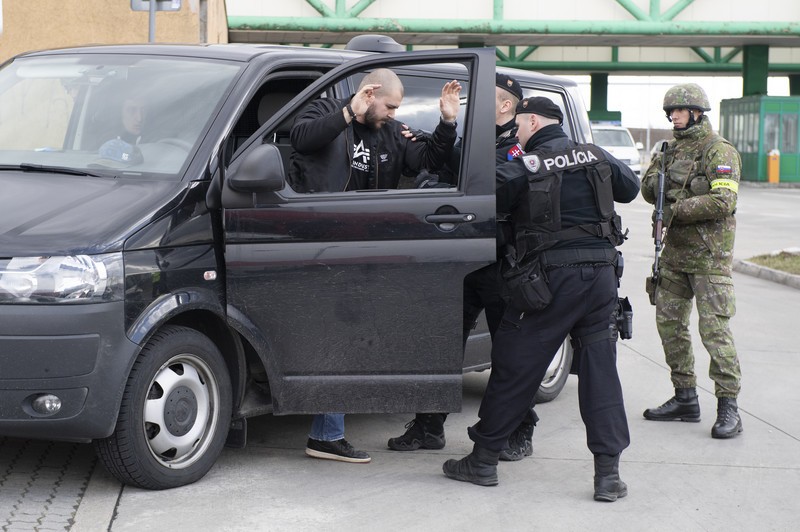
618	141
157	292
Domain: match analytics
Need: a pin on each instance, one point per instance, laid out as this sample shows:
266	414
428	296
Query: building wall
41	24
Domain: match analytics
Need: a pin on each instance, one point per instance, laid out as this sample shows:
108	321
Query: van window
419	109
557	98
108	114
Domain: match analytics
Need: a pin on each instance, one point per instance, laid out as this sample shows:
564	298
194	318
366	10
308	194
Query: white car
618	141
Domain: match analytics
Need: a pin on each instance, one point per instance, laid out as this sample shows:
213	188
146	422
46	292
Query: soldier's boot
729	423
608	487
682	407
425	431
478	467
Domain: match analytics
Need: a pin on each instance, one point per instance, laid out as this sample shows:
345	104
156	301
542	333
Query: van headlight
67	279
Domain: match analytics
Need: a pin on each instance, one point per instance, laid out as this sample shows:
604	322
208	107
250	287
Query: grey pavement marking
96	510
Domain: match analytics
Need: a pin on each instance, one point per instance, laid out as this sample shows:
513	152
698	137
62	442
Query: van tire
557	374
175	412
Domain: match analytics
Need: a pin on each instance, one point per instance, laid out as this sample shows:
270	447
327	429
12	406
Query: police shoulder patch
532	162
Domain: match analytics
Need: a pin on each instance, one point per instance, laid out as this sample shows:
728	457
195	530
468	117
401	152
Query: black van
160	281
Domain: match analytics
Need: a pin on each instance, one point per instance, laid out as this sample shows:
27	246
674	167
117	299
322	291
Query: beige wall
40	24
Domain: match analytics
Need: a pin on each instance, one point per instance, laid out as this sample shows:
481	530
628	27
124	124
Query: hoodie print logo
360	157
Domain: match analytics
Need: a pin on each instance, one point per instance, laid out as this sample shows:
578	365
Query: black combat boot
520	443
729	423
425	431
683	407
608	487
478	467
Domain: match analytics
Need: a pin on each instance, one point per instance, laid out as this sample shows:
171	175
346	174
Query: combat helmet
686	95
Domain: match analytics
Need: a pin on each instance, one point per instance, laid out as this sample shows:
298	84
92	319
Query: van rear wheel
175	413
556	376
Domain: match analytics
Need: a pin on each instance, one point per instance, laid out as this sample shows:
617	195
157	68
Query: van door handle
457	218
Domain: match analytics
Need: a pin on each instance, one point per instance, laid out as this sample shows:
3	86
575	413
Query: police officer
702	180
481	290
560	196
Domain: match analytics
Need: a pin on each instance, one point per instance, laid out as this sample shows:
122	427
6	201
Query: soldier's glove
668	214
700	186
676	194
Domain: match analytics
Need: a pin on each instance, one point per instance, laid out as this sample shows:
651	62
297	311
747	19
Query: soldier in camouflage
702	172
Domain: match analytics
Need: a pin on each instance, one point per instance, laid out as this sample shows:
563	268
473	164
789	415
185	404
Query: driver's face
133	114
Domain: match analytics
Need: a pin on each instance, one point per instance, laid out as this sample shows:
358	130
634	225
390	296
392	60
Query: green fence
756	125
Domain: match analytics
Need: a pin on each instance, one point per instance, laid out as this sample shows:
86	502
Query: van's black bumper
77	352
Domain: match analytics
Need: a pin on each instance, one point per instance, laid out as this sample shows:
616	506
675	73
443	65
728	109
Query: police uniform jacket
323	142
701	182
577	198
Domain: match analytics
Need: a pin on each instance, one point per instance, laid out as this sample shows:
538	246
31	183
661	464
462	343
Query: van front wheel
175	413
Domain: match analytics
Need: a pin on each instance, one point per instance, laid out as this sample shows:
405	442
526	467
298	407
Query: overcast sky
639	98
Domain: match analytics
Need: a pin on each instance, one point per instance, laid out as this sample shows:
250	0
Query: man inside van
356	144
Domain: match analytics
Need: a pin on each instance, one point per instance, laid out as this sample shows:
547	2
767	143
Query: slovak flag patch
723	169
514	152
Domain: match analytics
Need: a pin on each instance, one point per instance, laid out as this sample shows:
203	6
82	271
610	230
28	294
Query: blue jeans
327	427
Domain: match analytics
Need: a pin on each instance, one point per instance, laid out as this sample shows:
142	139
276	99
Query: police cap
510	84
541	106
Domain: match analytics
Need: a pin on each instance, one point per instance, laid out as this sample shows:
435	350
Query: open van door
353	300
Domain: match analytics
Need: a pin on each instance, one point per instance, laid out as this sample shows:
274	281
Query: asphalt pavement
679	478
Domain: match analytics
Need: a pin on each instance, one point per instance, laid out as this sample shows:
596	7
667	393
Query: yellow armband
731	185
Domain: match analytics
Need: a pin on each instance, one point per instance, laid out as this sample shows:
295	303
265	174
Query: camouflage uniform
701	183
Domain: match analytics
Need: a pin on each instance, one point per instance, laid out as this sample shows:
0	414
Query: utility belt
526	287
568	257
609	229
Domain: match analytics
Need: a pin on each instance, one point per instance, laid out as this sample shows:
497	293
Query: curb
768	274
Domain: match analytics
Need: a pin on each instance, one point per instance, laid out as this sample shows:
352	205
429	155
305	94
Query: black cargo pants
584	299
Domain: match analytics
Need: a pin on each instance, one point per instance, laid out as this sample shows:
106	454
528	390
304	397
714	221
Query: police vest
541	228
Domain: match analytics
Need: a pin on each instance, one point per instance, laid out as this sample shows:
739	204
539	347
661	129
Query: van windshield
108	114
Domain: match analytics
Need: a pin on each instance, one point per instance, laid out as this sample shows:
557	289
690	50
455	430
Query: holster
650	285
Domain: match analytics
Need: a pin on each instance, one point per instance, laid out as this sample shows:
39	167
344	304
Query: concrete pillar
755	70
599	100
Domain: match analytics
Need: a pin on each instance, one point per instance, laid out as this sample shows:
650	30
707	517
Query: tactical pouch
650	287
525	286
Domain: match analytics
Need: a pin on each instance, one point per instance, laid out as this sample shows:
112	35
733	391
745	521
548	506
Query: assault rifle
658	227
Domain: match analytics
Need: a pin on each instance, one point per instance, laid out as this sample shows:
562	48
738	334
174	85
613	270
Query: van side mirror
261	170
639	146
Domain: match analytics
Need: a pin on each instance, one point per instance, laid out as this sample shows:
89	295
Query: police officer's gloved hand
426	179
700	186
416	135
